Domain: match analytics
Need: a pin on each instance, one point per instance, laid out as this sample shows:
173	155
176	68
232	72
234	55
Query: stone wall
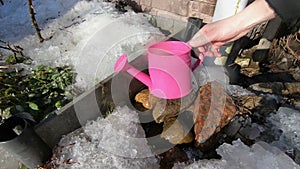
180	9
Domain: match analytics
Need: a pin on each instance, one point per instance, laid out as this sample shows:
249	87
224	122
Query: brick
162	4
212	2
145	2
180	7
207	9
197	8
168	21
206	18
194	9
201	10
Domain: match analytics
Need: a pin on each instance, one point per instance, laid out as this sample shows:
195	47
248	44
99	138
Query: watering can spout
122	65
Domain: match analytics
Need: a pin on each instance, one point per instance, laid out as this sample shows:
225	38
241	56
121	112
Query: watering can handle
198	62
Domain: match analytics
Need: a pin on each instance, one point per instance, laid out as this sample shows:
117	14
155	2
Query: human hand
212	36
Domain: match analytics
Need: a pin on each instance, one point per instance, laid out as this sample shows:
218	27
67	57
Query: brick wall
180	9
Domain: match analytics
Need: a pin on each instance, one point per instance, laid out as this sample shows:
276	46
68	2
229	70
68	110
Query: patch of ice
117	141
288	121
236	156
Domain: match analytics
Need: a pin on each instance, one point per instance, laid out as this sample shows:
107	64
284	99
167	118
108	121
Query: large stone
213	109
176	132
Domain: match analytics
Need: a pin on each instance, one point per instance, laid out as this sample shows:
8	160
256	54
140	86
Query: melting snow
117	141
238	155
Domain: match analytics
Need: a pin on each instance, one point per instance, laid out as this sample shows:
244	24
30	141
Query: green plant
39	93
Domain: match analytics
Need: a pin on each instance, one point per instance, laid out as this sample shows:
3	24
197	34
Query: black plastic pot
20	139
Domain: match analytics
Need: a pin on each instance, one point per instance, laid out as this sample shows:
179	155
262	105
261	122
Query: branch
16	49
33	20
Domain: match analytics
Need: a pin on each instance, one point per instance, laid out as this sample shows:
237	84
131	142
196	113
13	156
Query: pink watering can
169	66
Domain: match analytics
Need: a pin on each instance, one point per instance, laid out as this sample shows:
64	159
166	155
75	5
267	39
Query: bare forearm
256	13
213	35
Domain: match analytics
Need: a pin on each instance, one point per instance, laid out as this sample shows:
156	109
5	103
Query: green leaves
33	106
58	104
13	59
39	93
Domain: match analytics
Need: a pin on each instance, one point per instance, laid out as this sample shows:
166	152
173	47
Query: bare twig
33	20
15	49
286	43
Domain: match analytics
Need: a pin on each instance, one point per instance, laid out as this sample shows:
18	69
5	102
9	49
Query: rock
143	98
166	111
291	89
167	108
173	155
296	103
233	128
213	109
269	87
245	60
250	132
247	103
163	109
175	132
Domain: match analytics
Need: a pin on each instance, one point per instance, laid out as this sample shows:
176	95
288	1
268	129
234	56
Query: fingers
200	52
216	52
199	39
207	50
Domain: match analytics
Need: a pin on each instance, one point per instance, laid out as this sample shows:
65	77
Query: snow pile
90	35
288	121
236	156
117	141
